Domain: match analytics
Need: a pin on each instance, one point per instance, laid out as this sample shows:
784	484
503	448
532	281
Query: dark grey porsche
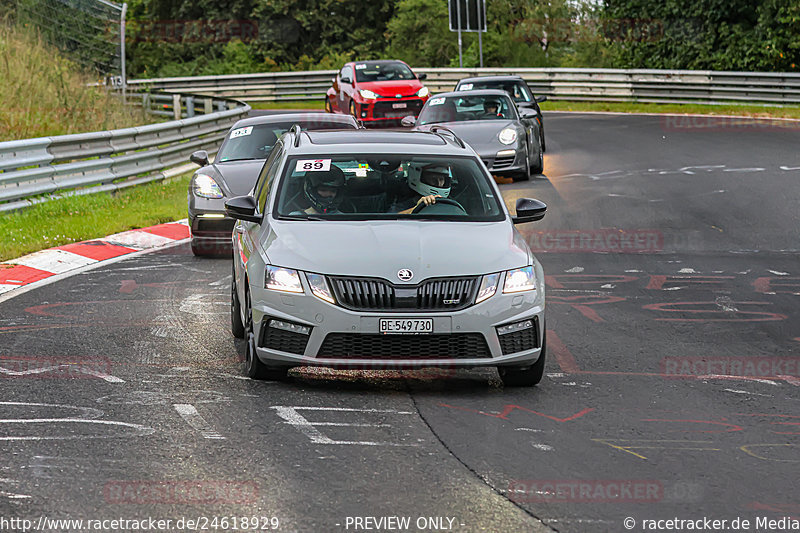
507	139
235	170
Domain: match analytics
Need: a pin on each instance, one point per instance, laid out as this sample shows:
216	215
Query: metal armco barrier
621	85
108	160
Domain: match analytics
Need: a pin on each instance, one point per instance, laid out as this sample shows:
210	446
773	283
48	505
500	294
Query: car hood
481	135
392	88
237	178
381	248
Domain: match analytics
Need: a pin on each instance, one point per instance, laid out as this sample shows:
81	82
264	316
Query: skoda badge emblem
405	274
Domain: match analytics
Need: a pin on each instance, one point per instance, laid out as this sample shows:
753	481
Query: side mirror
345	79
540	99
528	114
422	76
529	210
199	157
408	121
243	208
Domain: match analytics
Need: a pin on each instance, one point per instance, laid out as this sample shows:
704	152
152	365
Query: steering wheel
441	201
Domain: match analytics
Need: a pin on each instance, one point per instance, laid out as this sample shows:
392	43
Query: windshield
381	187
516	89
383	72
255	142
467	107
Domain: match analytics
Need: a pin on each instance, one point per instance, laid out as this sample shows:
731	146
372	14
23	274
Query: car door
346	89
246	234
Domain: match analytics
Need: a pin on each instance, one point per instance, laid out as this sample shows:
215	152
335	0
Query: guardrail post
176	106
208	106
146	102
190	106
221	105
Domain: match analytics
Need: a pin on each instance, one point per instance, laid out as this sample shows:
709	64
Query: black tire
237	326
525	175
253	367
197	249
528	377
544	148
353	109
328	107
538	168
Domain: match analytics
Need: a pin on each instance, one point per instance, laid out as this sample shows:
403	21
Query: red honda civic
377	91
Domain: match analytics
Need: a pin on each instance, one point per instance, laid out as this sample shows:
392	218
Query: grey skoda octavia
384	250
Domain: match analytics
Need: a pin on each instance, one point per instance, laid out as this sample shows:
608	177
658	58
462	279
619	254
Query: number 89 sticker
313	165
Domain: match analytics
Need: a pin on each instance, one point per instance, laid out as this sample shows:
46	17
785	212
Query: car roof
274	118
378	142
508	77
380	61
478	92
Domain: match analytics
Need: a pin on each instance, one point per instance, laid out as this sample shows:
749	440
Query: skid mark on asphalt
292	416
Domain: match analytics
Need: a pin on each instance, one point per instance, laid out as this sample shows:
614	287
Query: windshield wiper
240	159
303	217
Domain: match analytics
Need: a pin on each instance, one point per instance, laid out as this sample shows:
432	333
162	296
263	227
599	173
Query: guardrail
33	169
652	86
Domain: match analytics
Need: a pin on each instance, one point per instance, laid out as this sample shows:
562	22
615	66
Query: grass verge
693	109
80	218
45	94
616	107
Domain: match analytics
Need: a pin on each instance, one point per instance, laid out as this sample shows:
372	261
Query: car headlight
422	93
282	279
521	279
488	287
319	287
508	136
369	95
206	187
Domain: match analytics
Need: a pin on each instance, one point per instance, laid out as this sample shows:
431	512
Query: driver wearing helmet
491	108
324	191
428	182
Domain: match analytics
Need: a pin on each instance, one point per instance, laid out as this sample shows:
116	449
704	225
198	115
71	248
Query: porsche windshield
467	107
255	142
379	187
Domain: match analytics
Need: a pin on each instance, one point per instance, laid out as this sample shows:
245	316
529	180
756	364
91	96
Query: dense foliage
171	38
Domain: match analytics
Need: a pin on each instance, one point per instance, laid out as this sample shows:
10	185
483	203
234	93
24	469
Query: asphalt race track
672	251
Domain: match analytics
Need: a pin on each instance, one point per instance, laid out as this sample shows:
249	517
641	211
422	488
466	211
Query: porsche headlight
282	279
319	287
508	136
519	280
368	95
488	287
422	93
206	187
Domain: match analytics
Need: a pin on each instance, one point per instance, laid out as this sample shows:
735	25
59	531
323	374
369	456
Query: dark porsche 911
235	169
507	139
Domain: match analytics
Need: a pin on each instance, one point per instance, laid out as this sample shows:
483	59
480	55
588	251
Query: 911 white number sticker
313	165
241	132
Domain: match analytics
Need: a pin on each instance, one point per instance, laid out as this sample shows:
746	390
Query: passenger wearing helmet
491	108
324	191
428	182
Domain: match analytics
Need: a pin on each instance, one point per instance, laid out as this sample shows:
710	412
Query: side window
268	172
343	73
348	71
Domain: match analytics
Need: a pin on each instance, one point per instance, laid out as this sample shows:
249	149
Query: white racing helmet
430	179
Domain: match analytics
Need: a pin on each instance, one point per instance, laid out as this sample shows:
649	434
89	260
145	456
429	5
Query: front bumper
208	223
303	330
505	164
388	109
